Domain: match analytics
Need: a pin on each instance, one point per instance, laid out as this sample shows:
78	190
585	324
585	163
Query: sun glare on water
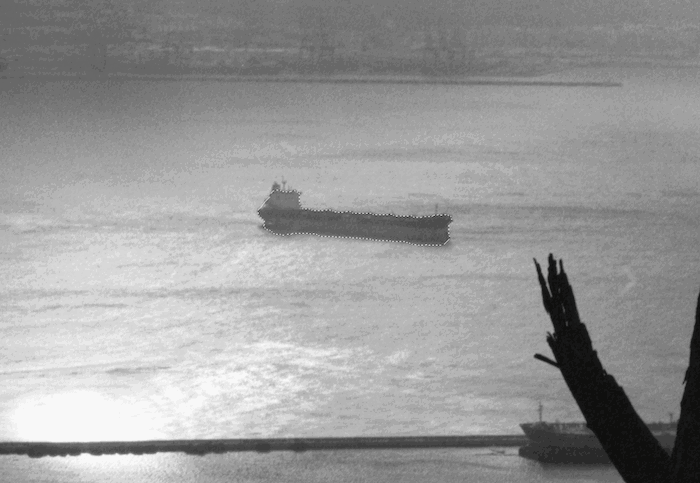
79	417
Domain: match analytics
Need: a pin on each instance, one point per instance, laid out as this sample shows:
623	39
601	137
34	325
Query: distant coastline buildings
65	39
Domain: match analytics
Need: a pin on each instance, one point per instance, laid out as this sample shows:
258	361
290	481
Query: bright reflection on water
497	465
80	416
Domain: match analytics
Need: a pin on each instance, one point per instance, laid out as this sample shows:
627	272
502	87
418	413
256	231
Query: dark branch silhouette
685	458
628	442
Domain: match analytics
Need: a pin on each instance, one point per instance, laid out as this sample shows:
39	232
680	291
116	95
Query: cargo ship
283	215
576	443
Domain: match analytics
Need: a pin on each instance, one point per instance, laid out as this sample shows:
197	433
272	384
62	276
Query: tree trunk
627	440
686	451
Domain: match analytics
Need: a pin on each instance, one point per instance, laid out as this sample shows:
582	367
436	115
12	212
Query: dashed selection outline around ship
290	203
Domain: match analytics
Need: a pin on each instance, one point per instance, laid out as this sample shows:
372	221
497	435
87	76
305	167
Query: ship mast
539	409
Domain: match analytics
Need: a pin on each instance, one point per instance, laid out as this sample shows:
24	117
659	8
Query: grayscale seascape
141	299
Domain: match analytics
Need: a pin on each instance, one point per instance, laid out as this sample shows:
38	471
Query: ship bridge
282	199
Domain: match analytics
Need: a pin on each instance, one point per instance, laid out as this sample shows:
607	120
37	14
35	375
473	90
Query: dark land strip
320	79
206	446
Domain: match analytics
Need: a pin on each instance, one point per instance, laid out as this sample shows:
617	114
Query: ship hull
574	443
425	230
574	435
567	454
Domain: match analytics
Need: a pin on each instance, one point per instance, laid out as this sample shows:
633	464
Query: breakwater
390	80
259	445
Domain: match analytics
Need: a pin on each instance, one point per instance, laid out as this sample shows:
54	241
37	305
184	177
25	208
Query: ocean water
141	299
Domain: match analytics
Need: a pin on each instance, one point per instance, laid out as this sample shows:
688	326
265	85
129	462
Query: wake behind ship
284	215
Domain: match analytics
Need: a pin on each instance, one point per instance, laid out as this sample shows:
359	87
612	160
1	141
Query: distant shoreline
319	79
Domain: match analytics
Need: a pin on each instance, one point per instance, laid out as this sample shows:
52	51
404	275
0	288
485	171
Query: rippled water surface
142	299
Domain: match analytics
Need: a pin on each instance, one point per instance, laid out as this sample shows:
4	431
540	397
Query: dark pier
207	446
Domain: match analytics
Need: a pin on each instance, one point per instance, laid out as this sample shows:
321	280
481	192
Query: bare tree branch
686	451
628	442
